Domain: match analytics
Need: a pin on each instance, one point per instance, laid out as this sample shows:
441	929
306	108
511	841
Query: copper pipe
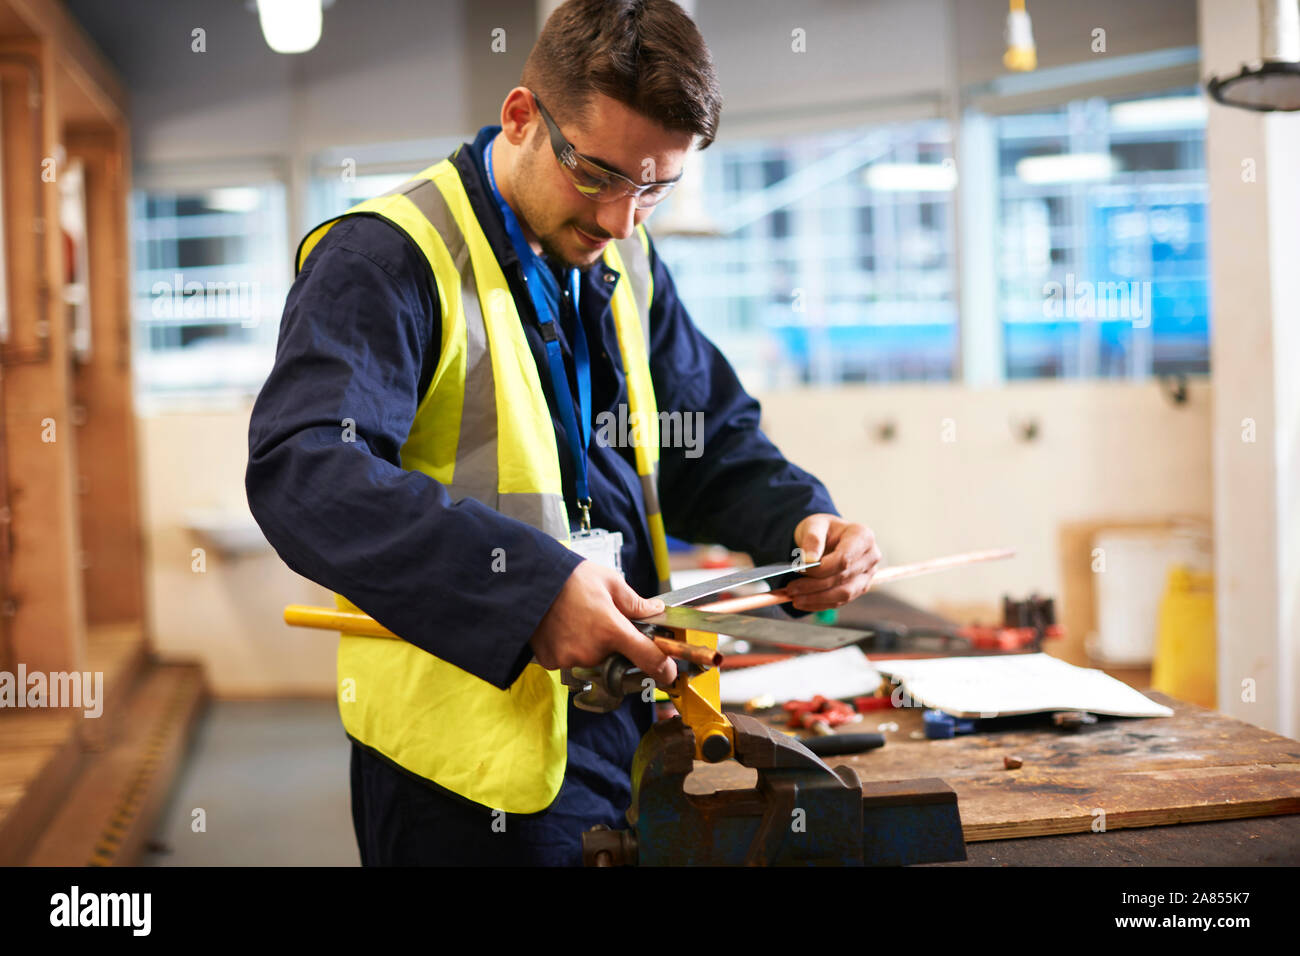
747	603
697	654
895	573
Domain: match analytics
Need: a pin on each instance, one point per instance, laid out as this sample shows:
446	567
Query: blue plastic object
941	726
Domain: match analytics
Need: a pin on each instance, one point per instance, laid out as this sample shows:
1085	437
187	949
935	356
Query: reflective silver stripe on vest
650	490
476	474
539	510
637	266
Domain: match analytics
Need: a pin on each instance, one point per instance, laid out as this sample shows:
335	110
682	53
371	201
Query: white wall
1104	451
229	614
1253	163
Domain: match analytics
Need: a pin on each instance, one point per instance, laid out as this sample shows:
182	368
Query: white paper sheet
842	673
1016	684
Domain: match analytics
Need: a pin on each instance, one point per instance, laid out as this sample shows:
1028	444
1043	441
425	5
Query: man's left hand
849	559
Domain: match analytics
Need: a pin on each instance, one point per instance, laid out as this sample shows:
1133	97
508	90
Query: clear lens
654	195
590	182
598	187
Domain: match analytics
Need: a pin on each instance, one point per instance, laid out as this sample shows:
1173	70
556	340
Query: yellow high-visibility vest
483	430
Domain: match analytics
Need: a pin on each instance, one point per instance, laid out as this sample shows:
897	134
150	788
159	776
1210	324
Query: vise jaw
800	813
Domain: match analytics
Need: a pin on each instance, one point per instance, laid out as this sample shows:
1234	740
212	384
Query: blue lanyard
529	260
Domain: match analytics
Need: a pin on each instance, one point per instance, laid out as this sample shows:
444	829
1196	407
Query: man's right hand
590	619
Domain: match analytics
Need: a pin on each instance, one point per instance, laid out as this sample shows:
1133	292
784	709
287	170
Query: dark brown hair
646	54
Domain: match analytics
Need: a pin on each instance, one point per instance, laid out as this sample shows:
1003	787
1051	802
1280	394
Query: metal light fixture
290	26
1021	55
1275	83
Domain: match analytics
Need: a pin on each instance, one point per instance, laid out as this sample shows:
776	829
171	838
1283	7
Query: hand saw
719	617
677	617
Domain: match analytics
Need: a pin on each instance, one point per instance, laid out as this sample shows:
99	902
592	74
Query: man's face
570	227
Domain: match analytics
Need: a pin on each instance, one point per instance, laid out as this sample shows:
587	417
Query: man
423	447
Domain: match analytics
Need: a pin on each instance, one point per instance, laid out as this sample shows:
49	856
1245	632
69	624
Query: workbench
1194	788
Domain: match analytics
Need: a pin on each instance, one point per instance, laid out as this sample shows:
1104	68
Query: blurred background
1048	309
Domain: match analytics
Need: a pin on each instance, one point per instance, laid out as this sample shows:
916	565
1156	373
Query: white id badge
601	546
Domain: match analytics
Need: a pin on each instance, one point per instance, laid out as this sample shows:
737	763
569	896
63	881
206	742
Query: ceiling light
911	177
1066	168
1160	112
233	199
1021	54
290	26
1275	83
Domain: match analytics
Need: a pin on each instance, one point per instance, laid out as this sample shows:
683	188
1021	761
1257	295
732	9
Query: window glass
831	258
211	276
1103	265
332	195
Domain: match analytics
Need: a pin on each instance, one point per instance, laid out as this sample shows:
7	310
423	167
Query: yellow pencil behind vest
484	430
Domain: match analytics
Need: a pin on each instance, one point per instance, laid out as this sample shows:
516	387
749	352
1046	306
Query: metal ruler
697	592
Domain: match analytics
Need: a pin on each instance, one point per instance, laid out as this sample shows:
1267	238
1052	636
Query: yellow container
1186	662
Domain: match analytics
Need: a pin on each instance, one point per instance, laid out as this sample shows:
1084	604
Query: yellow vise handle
698	701
696	698
331	619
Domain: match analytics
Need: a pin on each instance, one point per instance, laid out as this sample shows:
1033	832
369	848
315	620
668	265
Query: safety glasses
595	181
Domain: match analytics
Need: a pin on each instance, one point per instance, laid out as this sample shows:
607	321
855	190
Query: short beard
524	177
555	255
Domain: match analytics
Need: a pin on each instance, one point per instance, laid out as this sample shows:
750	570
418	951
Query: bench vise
801	812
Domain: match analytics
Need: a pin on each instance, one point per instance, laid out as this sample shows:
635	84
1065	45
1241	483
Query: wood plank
1260	841
116	801
1198	765
106	442
8	662
120	654
12	26
80	62
45	753
48	625
40	756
